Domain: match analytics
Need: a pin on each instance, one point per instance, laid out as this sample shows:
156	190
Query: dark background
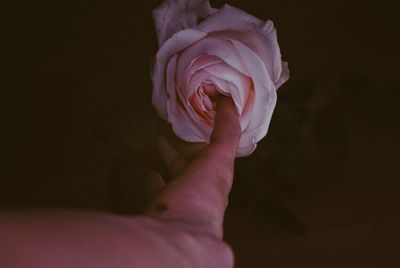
321	190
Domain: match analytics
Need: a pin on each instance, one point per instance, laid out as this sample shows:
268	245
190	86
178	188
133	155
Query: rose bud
204	52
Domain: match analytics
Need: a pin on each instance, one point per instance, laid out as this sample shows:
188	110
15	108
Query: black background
321	189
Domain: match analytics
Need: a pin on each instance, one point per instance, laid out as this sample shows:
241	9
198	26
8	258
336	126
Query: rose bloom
205	52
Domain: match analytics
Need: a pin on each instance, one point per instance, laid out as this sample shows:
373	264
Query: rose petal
227	73
194	83
254	33
224	87
207	103
198	64
182	124
173	16
266	46
196	101
176	43
284	75
264	99
245	151
218	47
230	18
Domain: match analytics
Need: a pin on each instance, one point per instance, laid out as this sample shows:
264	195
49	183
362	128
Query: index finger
227	130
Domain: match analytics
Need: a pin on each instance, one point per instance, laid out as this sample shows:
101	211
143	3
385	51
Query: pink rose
205	51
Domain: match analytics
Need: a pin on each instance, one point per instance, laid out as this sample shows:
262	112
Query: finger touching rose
205	52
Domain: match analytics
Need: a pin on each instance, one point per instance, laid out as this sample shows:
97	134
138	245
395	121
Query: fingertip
226	124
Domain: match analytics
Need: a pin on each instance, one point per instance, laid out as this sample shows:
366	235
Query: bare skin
182	228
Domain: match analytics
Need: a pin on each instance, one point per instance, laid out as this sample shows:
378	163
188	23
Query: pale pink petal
217	47
247	150
178	42
224	87
230	18
284	75
185	94
182	124
173	16
196	101
194	82
242	82
245	117
182	78
265	45
207	103
264	98
269	51
254	33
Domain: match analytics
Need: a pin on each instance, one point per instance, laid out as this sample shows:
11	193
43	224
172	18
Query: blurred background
322	188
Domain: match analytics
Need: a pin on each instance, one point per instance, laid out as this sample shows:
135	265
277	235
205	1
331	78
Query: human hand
193	203
183	226
202	174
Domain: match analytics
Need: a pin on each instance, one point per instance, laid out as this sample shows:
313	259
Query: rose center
210	90
204	101
209	95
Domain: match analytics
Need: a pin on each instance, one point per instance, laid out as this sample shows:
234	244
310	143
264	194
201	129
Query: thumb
154	184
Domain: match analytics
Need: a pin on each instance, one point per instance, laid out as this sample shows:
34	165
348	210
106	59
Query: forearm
80	239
